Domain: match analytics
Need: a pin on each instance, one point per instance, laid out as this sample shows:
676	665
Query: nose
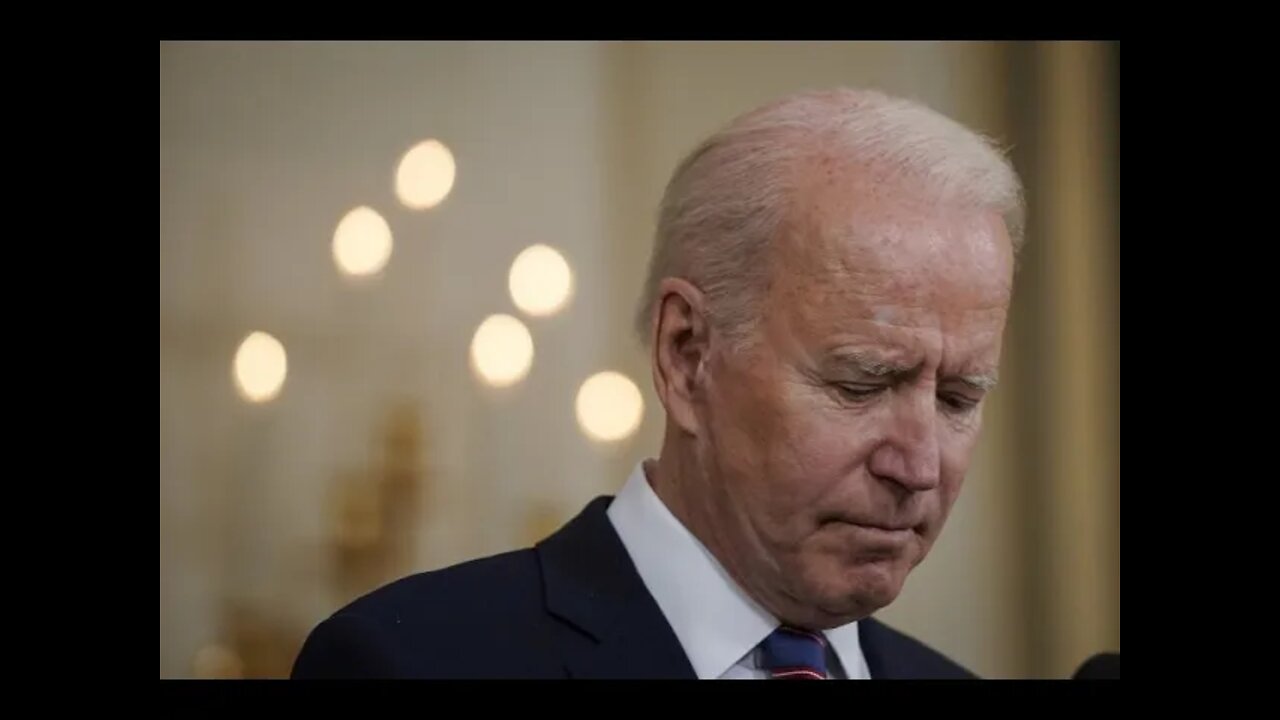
908	455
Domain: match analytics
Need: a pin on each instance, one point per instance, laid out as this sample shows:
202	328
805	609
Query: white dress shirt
717	624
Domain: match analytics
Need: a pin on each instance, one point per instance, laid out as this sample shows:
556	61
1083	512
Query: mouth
895	535
871	525
874	535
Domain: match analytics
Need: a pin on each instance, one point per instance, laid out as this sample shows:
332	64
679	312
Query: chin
852	593
876	585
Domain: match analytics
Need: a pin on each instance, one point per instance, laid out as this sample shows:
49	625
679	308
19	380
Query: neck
681	483
674	478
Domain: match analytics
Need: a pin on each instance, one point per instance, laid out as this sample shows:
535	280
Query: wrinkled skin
820	462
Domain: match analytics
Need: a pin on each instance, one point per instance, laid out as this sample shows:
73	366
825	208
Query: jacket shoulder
457	591
470	619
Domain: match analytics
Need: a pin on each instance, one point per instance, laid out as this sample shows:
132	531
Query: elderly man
824	309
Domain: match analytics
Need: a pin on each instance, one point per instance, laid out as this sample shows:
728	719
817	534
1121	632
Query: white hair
727	200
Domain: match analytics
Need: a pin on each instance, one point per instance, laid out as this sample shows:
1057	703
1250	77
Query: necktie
794	654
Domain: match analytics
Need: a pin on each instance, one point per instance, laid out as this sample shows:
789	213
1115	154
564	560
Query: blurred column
1079	225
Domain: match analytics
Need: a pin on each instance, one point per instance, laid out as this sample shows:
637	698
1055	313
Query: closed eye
856	392
957	402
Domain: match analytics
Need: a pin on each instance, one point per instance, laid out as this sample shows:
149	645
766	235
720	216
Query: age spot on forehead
884	315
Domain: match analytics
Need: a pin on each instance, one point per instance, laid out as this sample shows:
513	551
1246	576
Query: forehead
857	253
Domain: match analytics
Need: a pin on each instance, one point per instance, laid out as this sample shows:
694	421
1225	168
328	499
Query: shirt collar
716	623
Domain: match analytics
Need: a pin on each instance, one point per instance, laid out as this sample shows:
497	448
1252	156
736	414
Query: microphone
1103	666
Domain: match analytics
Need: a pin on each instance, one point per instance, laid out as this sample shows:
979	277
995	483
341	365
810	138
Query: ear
681	341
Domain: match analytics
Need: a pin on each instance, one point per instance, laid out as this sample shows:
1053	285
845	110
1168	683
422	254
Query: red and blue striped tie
794	654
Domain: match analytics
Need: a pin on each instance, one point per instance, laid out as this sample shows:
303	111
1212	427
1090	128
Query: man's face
835	446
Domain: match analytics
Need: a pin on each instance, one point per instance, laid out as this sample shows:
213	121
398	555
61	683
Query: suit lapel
592	585
877	648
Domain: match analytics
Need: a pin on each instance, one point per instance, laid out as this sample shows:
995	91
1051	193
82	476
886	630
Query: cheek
955	455
819	450
949	490
740	422
821	447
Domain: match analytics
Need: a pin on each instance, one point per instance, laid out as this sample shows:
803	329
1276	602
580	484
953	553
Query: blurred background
396	281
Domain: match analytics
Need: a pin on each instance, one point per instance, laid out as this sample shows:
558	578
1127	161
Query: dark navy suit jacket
573	606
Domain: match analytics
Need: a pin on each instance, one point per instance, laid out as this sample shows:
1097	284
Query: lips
886	528
873	525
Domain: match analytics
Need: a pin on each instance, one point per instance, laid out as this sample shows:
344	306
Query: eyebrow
982	382
876	367
870	365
